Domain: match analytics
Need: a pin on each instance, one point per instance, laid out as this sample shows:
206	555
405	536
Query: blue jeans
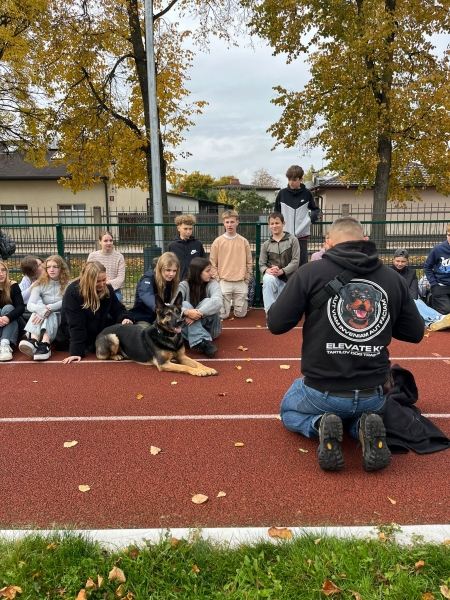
302	406
206	328
10	331
118	294
271	287
428	314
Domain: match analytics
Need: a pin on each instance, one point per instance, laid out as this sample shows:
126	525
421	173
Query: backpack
7	246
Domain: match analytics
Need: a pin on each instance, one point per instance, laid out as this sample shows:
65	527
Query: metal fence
134	237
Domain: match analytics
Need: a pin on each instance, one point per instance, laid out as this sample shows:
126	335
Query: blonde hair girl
12	308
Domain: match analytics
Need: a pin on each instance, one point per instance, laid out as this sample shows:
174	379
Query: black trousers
440	298
303	252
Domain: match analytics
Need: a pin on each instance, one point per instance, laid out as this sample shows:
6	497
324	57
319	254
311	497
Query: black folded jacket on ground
406	427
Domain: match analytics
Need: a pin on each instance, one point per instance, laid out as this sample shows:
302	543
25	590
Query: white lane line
160	418
196	357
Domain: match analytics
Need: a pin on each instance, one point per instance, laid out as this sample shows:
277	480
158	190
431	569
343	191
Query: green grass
58	566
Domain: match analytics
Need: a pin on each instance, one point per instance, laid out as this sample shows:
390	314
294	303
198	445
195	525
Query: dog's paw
116	357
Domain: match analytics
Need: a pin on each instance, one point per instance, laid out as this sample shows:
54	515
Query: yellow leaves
283	533
221	495
329	588
356	595
392	501
199	498
222	393
239	444
258	326
427	596
317	541
52	546
10	591
383	537
249	380
285	367
436	354
231	318
154	450
70	444
117	574
247	359
419	564
174	383
242	348
84	488
139	397
81	595
302	450
195	568
239	368
445	591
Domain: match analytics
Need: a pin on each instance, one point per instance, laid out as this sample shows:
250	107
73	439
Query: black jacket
185	251
345	340
409	275
295	206
144	308
80	325
17	302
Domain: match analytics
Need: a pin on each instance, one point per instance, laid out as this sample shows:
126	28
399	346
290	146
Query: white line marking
158	418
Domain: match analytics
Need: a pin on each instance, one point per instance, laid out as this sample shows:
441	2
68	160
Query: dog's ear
159	303
179	300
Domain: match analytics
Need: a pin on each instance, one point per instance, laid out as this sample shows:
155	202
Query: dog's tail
106	346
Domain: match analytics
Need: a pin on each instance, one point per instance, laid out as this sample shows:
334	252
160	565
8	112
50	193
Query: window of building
72	214
14	214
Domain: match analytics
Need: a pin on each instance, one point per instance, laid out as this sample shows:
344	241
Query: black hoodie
185	251
345	340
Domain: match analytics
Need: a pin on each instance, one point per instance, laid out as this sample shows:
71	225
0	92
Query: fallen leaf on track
329	588
435	354
70	444
280	532
239	367
239	444
222	394
35	381
447	361
221	495
199	498
117	574
249	380
10	591
392	501
139	396
174	383
84	488
302	450
259	326
248	359
231	319
242	348
279	417
154	450
285	367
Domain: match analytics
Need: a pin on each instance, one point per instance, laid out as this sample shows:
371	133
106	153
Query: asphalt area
218	436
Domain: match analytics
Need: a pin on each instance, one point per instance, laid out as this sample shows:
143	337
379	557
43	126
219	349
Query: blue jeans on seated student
428	314
271	288
118	295
302	406
10	331
206	328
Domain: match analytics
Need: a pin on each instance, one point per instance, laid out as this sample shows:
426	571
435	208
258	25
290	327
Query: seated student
185	246
32	269
432	319
12	307
86	305
112	260
45	305
279	258
202	301
318	255
163	281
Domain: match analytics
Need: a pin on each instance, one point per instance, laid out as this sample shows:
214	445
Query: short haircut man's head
229	214
185	220
295	171
345	229
276	215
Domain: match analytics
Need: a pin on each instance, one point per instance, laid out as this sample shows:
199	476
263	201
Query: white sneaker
28	347
5	352
443	323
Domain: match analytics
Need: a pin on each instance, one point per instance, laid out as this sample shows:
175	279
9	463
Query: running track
268	481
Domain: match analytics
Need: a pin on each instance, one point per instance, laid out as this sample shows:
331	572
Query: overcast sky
230	136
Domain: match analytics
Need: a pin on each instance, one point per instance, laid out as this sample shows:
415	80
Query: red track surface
268	481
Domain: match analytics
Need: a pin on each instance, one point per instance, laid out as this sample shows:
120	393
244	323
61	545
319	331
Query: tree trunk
380	190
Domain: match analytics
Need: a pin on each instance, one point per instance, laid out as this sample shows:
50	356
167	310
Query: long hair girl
64	273
5	286
197	287
88	285
166	263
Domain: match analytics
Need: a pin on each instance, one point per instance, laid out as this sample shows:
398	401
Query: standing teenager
12	307
112	260
45	306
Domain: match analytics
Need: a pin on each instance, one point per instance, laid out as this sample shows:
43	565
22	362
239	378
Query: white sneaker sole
27	350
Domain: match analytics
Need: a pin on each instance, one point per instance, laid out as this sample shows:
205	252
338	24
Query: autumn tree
248	201
192	182
378	99
92	65
262	178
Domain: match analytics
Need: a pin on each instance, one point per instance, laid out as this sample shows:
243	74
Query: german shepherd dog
158	345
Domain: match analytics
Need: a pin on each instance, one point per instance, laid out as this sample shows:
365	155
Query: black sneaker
28	347
206	347
331	433
43	351
372	435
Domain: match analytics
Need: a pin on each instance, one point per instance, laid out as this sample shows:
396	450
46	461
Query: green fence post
258	295
59	239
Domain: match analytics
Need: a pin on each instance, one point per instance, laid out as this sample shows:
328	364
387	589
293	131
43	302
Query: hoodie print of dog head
359	302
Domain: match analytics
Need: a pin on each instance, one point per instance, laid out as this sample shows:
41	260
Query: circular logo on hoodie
360	311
